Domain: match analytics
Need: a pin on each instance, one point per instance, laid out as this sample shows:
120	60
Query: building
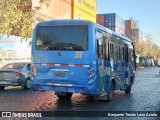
112	21
14	49
130	27
100	19
115	23
66	9
137	34
132	32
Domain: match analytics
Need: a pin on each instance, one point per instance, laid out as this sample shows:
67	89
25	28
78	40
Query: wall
84	9
57	9
67	9
14	49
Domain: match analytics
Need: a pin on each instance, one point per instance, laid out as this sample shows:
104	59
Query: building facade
112	21
130	27
66	9
132	32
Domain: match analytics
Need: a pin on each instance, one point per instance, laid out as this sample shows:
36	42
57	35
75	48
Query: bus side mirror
135	56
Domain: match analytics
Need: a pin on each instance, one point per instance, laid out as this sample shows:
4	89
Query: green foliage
146	47
16	17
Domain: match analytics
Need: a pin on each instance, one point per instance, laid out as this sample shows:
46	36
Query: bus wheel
68	95
63	95
2	88
110	92
128	88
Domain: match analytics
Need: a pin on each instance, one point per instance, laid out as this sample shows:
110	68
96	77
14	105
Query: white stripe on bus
71	65
51	84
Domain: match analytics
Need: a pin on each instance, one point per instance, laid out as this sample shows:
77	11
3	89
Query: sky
146	13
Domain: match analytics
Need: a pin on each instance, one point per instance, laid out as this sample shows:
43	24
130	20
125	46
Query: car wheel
110	92
27	85
2	88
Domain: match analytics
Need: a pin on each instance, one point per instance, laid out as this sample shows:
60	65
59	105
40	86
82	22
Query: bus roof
114	33
80	22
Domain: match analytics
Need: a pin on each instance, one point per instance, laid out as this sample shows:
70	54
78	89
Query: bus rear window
68	38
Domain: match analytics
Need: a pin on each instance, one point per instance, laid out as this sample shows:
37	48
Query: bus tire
68	95
62	95
2	88
110	92
128	88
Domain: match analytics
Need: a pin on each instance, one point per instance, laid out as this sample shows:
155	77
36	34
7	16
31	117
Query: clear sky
145	12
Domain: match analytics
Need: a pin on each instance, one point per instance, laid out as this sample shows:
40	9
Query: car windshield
68	38
13	66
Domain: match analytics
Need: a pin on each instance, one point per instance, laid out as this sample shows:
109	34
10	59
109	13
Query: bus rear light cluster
90	75
90	81
32	70
32	73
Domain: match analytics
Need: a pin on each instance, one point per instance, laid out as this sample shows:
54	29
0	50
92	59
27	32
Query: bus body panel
74	66
68	71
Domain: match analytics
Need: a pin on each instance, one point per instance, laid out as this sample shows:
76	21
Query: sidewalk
141	65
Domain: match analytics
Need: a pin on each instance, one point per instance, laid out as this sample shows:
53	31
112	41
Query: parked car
15	74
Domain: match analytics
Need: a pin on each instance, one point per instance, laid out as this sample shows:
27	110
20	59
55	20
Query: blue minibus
79	56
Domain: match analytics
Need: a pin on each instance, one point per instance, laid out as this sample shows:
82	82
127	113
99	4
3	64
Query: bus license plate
59	73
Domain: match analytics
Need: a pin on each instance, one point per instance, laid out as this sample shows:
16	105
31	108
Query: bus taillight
90	69
90	81
32	67
84	90
90	75
32	71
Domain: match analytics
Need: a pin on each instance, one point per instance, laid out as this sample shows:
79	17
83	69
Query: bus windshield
68	38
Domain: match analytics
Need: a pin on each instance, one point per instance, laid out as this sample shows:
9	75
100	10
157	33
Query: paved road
145	96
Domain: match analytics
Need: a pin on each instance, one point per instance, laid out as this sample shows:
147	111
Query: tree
136	22
154	51
149	43
144	47
16	17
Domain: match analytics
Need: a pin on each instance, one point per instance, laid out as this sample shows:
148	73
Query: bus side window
115	52
111	50
125	53
102	42
121	53
99	48
130	55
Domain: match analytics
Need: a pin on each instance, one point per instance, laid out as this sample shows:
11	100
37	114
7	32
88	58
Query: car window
13	66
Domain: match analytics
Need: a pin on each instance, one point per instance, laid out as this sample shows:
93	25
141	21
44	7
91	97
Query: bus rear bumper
64	88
